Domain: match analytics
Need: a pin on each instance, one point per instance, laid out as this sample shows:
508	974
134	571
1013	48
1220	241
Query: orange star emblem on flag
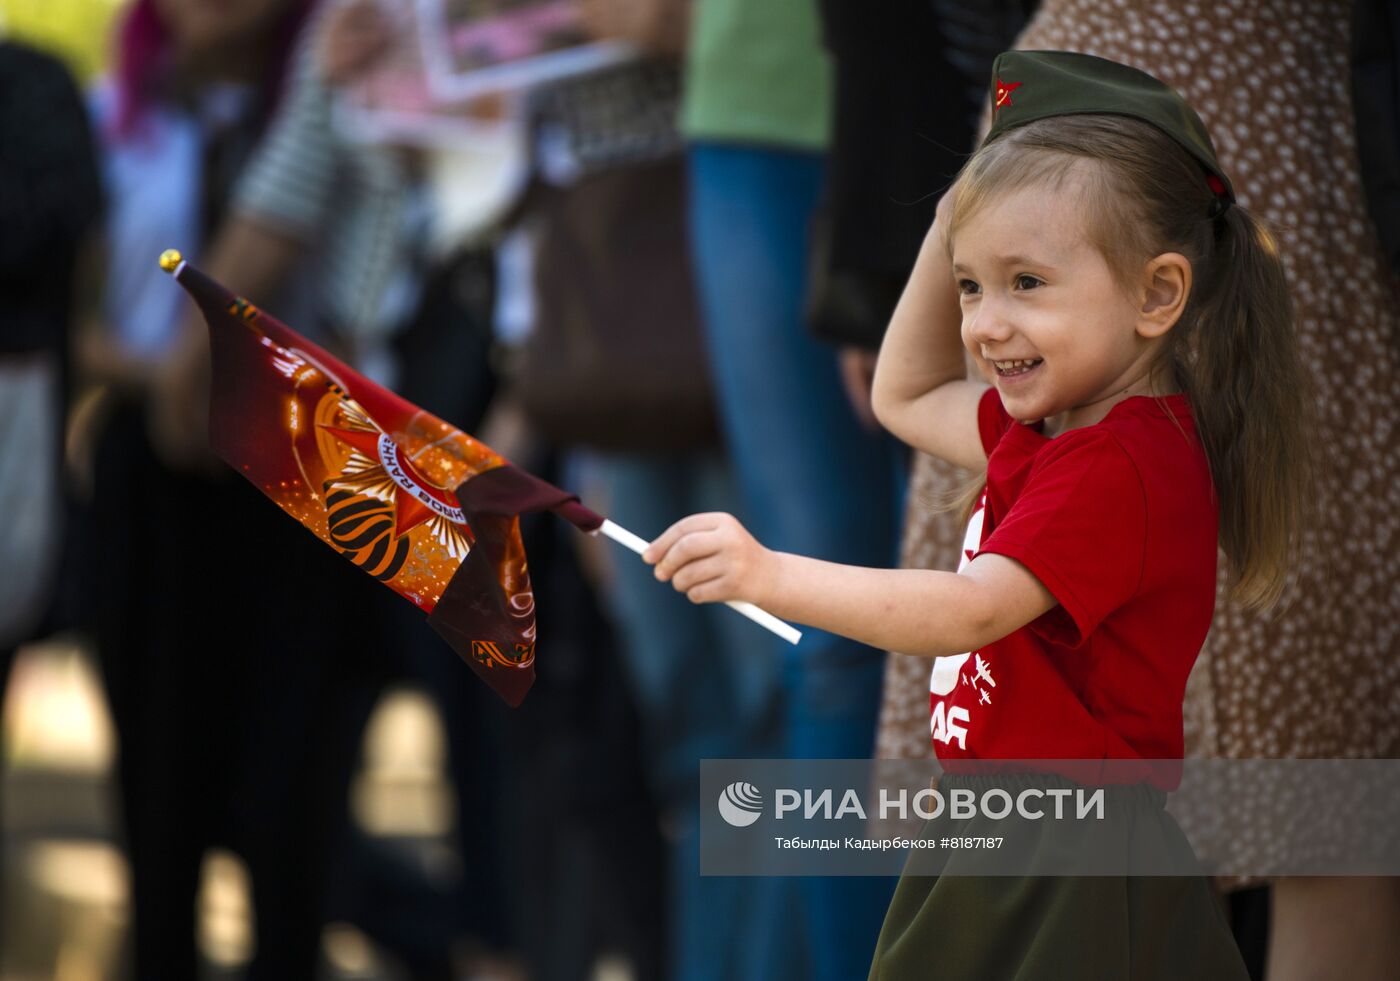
1004	90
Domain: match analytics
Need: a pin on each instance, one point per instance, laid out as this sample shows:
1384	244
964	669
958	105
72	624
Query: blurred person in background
1375	92
352	220
966	35
895	148
229	667
757	114
346	223
615	367
906	95
50	197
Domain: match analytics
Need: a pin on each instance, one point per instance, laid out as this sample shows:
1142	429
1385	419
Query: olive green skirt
949	922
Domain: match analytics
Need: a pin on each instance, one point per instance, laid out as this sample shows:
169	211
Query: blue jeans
813	480
705	680
706	683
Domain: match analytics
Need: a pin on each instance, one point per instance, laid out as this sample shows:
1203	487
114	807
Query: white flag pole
763	618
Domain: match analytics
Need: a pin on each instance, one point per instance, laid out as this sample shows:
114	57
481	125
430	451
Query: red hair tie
1222	196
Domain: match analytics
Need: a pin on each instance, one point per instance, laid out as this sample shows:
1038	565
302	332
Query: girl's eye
968	288
1027	282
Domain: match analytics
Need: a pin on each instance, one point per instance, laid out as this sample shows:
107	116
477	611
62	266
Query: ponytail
1238	361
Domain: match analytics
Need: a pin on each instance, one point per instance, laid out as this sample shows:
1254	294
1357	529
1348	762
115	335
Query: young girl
1144	405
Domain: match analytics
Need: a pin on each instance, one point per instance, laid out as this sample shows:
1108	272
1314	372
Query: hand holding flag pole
763	618
414	501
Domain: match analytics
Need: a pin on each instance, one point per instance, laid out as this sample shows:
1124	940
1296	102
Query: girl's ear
1166	286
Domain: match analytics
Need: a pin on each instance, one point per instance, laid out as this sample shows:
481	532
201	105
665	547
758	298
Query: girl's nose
989	324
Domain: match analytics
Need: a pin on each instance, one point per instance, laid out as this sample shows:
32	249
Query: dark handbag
616	360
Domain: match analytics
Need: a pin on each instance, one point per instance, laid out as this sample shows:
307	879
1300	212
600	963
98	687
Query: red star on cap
1004	91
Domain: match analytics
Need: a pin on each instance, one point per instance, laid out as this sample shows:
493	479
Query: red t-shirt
1118	520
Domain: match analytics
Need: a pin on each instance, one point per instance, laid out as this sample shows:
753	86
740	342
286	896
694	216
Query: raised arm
921	392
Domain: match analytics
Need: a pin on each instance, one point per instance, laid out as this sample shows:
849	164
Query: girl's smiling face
1043	313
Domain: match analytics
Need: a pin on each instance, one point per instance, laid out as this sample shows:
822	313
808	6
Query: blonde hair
1233	351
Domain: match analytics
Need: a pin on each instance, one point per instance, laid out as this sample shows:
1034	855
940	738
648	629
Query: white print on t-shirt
949	723
984	672
946	728
946	724
945	673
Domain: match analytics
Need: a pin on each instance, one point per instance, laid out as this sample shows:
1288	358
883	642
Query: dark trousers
238	689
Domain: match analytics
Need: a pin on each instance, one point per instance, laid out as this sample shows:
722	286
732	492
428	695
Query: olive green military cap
1031	85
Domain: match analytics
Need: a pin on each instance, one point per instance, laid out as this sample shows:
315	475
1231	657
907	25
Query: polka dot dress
1319	676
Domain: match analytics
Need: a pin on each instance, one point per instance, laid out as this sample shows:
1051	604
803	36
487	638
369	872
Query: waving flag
413	501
